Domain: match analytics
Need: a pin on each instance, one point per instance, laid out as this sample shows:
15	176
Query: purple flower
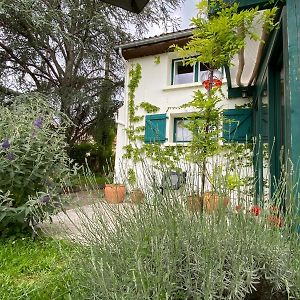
5	144
10	156
38	123
45	199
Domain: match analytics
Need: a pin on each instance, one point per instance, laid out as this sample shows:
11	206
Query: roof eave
156	39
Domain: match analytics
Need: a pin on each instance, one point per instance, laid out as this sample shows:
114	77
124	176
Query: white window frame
173	76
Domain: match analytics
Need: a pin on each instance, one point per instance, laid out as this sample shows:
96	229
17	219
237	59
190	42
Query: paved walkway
80	222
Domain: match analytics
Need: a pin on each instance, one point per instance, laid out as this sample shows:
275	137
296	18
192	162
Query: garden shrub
33	161
94	155
163	251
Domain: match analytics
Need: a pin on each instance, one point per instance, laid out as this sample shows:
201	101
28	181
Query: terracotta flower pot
194	203
211	201
114	193
137	196
276	221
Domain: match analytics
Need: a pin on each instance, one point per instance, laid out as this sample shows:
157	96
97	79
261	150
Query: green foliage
217	38
66	49
131	177
157	60
93	154
205	124
135	75
148	107
34	270
134	150
33	160
163	251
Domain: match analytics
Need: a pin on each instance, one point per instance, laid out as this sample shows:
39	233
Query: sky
185	13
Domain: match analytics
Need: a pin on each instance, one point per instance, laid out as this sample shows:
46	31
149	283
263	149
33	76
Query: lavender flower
5	144
45	199
10	156
38	123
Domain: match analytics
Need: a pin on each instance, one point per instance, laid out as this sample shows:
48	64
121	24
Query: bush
163	251
33	160
94	154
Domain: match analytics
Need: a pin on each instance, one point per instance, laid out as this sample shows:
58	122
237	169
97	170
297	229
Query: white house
166	83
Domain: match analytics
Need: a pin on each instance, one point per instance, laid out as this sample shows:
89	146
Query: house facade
167	83
265	74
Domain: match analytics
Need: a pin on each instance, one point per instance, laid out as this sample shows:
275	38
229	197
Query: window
181	132
182	73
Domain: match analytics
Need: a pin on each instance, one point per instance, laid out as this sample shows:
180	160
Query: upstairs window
182	73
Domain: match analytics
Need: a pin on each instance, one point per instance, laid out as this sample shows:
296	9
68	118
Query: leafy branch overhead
65	49
218	37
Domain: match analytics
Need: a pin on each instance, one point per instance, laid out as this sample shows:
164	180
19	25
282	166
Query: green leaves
218	37
35	159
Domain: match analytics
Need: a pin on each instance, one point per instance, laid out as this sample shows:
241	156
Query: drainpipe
241	56
124	122
264	36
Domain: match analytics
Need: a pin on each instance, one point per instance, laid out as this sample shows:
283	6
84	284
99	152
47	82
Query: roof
155	45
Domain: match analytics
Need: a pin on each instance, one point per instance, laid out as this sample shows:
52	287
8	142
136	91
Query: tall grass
162	249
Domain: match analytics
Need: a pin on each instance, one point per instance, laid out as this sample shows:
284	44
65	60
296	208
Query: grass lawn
33	269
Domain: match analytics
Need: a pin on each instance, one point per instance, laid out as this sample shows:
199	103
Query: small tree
216	39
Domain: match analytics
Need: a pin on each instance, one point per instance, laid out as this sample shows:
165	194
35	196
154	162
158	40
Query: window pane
182	133
183	73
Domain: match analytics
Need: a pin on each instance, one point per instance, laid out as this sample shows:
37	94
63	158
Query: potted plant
136	194
114	192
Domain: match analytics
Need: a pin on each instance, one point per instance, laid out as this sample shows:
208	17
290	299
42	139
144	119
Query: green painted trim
195	67
172	72
174	131
196	72
293	86
287	129
228	77
261	4
275	124
152	136
237	125
274	41
237	92
269	73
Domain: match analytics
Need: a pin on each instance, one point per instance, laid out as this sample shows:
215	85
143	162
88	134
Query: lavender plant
33	160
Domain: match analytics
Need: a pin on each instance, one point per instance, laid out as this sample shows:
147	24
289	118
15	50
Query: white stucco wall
155	87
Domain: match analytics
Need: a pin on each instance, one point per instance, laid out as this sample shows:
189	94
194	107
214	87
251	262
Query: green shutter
155	128
237	125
